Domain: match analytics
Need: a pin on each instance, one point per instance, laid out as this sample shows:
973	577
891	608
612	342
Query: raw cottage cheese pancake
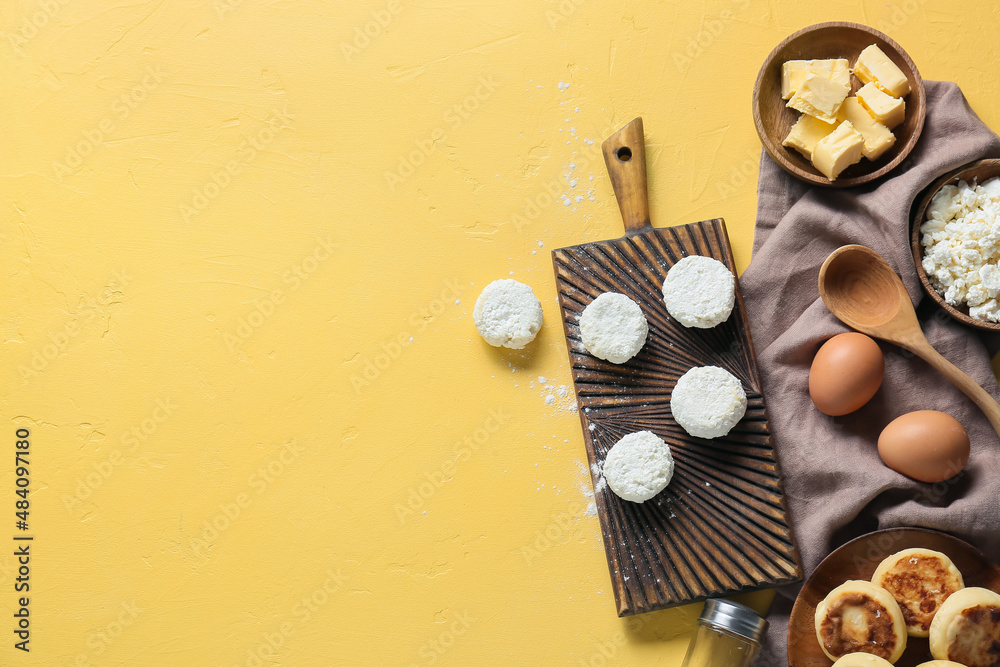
920	580
708	401
639	466
613	327
508	314
699	292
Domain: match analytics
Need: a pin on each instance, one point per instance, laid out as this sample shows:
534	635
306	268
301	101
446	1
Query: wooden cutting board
721	526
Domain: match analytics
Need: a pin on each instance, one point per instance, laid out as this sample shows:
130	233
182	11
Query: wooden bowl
977	172
833	40
857	560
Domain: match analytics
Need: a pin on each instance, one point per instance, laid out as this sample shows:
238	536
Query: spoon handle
968	386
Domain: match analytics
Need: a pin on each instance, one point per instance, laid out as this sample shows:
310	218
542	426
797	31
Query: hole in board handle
624	153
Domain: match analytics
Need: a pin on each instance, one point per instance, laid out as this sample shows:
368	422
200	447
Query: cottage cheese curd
961	241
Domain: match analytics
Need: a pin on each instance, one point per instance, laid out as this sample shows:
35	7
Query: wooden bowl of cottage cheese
955	239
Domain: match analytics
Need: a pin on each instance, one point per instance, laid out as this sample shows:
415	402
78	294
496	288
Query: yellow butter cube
794	72
886	109
838	150
873	66
819	97
806	133
877	137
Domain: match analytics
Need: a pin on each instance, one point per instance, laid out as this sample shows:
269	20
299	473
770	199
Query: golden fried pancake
862	660
966	628
940	663
860	617
920	580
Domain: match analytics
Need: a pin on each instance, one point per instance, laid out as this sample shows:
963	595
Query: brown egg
845	374
927	445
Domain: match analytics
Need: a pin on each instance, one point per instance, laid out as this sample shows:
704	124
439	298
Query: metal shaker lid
734	617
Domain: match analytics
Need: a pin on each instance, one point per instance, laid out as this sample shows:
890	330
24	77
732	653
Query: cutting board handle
625	157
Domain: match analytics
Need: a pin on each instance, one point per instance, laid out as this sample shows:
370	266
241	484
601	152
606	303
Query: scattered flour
585	484
560	396
599	474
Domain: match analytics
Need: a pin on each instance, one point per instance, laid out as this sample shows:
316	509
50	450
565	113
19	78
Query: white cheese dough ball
639	466
708	401
508	314
699	292
613	327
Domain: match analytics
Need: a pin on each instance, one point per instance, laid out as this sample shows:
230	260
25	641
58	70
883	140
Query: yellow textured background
241	243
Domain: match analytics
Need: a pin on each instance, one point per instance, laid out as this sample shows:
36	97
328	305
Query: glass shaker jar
728	635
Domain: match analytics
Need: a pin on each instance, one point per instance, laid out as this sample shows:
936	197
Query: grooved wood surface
720	527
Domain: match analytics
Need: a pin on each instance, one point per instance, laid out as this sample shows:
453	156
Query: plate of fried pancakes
903	596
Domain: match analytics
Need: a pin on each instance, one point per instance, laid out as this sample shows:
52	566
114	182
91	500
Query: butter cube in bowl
955	241
831	73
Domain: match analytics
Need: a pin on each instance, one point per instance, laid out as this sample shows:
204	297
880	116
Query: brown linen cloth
836	487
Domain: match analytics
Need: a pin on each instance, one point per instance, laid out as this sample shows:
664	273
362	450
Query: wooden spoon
862	291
